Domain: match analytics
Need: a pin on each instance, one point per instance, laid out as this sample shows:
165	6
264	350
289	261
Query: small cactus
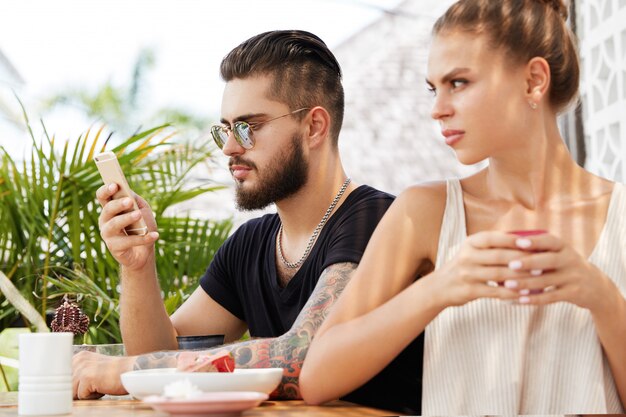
68	317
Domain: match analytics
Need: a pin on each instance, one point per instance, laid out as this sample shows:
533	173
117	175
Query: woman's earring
533	105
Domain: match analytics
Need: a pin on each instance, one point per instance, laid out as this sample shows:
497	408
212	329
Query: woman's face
479	100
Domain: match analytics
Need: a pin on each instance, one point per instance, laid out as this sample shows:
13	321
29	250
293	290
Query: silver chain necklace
316	232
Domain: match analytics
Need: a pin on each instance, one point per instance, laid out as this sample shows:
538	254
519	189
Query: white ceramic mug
45	379
45	354
44	403
45	373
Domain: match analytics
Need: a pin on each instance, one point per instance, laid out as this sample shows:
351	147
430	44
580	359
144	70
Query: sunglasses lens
220	135
243	133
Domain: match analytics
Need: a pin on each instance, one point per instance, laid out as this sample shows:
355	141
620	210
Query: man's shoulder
365	203
258	224
366	193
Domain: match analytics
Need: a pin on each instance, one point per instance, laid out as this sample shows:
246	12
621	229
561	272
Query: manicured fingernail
523	243
127	202
524	300
536	272
135	215
525	291
510	283
153	235
515	265
112	187
492	283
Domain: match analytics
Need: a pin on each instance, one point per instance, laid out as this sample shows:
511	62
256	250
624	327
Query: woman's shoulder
423	206
425	196
425	203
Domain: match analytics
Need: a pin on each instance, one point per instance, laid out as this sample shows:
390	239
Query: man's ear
537	80
319	126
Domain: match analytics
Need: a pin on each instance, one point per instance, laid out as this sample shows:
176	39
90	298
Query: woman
532	322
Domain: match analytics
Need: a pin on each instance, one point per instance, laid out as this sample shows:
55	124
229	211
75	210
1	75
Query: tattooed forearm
287	351
156	360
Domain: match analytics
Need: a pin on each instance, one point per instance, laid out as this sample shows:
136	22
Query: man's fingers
116	225
104	193
124	243
114	208
141	203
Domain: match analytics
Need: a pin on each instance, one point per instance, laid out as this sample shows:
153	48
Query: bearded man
278	275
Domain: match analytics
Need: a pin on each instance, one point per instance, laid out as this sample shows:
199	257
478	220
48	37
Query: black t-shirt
242	278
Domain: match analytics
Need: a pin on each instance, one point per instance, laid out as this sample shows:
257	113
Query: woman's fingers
540	243
495	257
538	262
493	239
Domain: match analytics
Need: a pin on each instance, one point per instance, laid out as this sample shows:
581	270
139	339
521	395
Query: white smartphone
111	172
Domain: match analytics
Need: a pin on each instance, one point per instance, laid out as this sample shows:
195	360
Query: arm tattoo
287	351
156	360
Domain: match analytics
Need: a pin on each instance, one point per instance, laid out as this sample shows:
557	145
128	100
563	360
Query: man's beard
283	177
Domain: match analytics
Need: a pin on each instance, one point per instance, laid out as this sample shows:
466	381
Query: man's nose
232	146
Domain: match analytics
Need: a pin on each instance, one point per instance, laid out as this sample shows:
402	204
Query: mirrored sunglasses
242	131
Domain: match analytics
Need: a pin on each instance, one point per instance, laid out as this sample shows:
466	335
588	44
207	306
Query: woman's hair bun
558	5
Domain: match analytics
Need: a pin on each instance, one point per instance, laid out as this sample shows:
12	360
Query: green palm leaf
50	243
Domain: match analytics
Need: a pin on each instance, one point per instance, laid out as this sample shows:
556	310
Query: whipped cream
182	389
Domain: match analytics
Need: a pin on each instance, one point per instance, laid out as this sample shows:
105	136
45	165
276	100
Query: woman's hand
558	273
481	270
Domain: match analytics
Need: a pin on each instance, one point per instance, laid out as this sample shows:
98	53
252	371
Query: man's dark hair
305	73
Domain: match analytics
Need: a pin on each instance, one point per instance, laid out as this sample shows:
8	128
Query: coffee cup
45	354
45	374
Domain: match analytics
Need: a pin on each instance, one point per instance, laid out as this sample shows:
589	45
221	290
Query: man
277	275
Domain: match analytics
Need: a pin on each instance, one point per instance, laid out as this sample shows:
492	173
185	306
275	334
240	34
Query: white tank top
494	357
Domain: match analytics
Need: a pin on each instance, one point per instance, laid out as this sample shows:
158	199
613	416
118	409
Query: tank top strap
453	230
615	217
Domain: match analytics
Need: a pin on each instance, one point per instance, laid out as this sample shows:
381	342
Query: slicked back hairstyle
523	29
305	73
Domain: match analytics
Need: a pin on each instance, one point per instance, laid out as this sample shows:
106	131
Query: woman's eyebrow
449	76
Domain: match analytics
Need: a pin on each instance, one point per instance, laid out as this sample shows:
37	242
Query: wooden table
125	408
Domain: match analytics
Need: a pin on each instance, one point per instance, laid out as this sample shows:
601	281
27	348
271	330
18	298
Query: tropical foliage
121	104
50	243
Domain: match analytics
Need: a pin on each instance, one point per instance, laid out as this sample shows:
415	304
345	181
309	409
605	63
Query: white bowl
141	384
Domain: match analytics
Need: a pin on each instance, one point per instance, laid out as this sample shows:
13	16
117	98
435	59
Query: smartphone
111	172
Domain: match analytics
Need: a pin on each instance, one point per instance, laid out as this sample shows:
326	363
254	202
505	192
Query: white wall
602	34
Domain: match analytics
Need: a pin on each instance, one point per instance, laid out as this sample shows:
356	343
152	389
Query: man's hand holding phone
126	223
